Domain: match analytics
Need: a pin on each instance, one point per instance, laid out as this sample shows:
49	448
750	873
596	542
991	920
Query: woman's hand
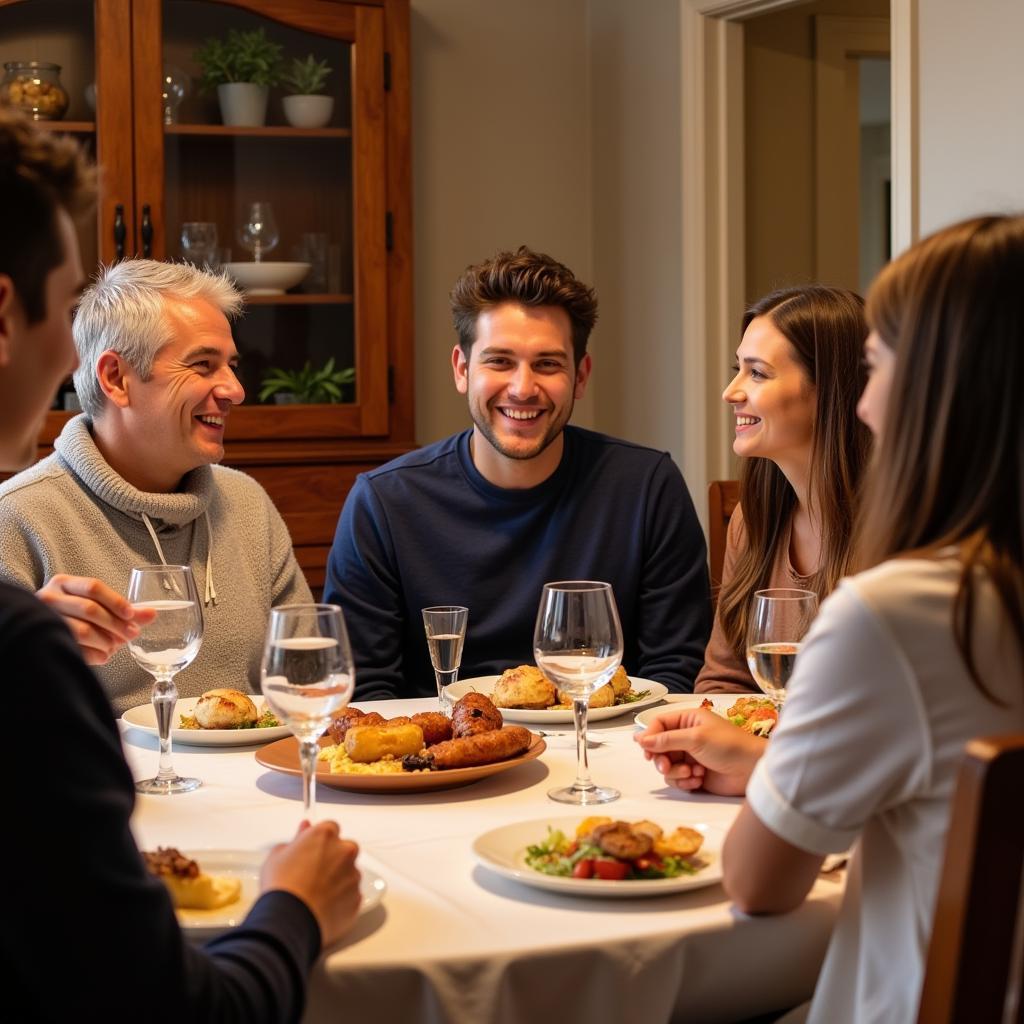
697	749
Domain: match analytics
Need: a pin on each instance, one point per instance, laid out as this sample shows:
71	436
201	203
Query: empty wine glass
577	643
163	648
199	242
307	675
259	232
445	626
175	85
779	619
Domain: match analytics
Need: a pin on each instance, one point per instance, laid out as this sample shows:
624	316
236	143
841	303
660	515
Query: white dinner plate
245	864
503	850
677	702
143	718
485	684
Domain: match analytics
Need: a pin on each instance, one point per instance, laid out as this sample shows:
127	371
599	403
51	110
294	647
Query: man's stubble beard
483	424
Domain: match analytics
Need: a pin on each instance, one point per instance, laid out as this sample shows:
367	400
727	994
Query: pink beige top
723	672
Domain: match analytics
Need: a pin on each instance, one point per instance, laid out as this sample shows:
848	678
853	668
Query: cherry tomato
611	870
583	869
650	863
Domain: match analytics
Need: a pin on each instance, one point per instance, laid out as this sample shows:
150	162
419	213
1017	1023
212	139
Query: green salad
571	858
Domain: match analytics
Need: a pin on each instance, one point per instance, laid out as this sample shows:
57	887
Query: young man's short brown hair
40	172
531	279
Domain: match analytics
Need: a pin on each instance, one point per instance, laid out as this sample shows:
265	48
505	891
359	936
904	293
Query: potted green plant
308	386
304	107
242	67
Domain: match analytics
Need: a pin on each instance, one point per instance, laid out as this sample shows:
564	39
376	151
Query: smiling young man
134	481
488	516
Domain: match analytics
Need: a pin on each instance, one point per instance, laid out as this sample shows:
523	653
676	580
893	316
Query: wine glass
307	675
577	643
445	626
163	648
175	85
259	232
199	242
778	621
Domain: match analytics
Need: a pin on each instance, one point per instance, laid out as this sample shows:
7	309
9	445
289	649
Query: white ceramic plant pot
243	104
308	111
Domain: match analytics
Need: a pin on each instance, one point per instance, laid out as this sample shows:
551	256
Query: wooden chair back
976	955
723	497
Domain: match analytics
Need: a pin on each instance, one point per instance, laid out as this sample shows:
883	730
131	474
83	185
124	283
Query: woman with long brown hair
909	659
794	396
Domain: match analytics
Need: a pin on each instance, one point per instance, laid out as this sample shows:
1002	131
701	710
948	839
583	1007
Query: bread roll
225	709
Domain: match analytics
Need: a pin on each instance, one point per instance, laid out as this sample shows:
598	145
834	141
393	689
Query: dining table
453	941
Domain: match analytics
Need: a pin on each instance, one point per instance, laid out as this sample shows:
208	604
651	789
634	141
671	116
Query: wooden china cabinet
165	163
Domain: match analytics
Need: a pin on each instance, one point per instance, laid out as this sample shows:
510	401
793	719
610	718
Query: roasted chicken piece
620	839
473	714
344	720
524	687
620	682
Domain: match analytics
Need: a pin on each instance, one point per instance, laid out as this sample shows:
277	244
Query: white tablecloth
453	942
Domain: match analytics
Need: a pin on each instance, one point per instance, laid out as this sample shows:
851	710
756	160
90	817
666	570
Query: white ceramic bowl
266	278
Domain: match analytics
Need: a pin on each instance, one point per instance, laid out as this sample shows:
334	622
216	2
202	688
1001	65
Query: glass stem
580	706
445	679
308	751
165	697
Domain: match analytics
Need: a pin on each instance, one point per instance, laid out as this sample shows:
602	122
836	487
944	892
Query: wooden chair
723	497
976	955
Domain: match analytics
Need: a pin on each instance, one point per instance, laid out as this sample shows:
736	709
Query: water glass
307	676
163	648
779	619
199	242
445	626
577	643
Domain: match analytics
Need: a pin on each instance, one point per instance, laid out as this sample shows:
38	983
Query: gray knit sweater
71	513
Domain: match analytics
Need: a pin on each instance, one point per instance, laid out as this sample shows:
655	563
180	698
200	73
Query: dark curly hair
39	173
531	279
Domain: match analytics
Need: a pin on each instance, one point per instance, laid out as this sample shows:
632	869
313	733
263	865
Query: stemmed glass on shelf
779	618
259	231
307	676
445	626
163	648
577	643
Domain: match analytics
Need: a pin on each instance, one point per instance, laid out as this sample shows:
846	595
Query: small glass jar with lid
34	86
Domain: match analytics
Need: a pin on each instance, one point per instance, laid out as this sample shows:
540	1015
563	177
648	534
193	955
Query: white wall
971	95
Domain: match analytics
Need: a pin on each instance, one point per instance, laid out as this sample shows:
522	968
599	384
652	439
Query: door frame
712	204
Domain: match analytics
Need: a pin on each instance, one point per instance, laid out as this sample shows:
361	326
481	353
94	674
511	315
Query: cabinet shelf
274	131
71	127
312	299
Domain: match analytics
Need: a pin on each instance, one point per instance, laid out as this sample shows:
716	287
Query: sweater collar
78	450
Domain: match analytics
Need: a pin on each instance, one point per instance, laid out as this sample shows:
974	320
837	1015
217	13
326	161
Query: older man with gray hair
134	481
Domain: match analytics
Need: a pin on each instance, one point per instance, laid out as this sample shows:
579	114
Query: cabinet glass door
290	202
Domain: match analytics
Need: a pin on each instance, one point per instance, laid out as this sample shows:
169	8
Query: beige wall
554	124
500	98
970	89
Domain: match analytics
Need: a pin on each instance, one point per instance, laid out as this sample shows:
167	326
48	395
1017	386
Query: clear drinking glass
258	232
779	619
577	643
199	242
163	648
445	626
307	675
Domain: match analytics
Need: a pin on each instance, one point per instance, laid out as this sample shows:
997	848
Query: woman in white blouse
909	659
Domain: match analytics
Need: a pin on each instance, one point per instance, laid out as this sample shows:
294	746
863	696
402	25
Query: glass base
167	787
582	797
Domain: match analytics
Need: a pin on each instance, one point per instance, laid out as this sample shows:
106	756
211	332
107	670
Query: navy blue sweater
428	529
88	933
